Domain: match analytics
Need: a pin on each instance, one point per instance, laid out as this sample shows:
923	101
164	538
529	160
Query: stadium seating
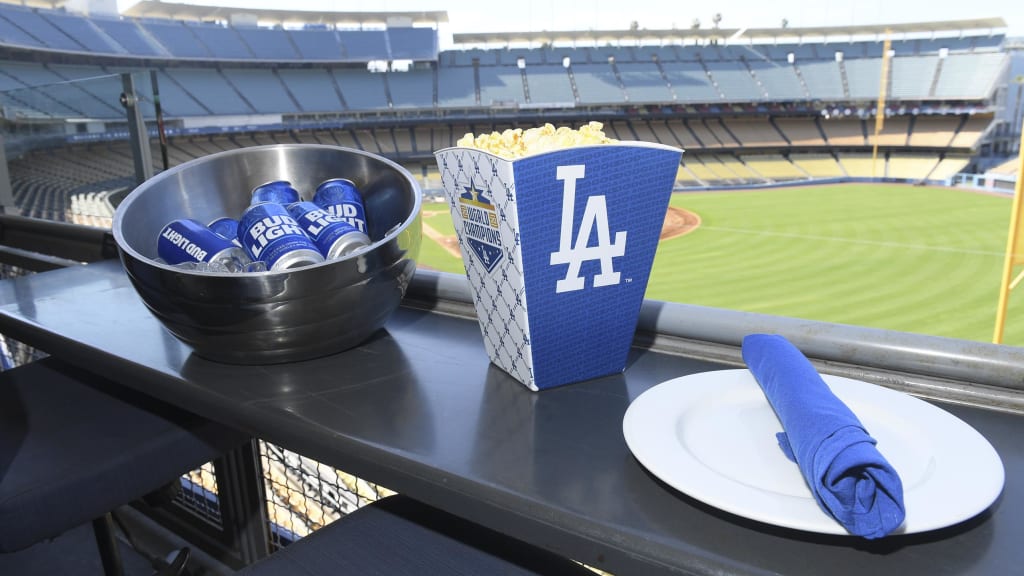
774	168
863	166
644	83
755	133
818	165
500	85
947	168
934	132
800	131
844	132
910	167
971	132
742	111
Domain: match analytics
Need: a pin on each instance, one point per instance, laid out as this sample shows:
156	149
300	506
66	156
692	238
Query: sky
538	15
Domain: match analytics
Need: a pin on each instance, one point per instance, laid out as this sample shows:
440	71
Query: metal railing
235	509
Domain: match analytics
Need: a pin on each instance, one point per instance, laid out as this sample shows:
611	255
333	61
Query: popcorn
517	143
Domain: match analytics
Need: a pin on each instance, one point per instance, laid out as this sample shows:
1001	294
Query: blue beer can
278	191
340	197
226	227
185	240
332	235
269	234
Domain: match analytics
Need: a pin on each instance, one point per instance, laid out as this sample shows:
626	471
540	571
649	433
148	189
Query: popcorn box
558	248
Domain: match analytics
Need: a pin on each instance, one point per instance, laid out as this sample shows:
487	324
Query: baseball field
916	259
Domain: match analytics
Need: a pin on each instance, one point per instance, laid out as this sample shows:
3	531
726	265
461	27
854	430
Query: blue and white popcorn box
558	248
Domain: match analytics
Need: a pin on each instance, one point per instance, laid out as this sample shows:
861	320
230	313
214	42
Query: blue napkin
849	478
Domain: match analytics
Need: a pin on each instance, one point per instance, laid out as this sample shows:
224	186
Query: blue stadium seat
691	83
549	84
363	45
268	43
11	33
824	81
262	89
220	41
970	75
502	84
83	32
735	81
912	76
863	77
208	86
130	36
455	88
313	88
644	83
779	80
412	44
38	27
362	90
175	38
597	84
412	89
317	44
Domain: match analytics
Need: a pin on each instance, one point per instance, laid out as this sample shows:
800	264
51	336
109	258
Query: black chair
401	536
74	446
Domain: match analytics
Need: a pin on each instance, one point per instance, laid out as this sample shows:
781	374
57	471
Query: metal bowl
279	316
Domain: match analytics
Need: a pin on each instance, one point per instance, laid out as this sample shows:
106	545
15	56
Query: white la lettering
595	214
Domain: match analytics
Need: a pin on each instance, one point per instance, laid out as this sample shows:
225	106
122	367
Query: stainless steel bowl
282	316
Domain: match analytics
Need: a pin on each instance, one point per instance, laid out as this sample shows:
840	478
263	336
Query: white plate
712	436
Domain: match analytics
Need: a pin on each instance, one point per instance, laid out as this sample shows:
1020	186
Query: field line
853	241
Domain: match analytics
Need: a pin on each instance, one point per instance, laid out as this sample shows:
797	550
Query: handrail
36	242
948	369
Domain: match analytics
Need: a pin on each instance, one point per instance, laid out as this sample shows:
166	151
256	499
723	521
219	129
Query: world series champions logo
595	216
480	225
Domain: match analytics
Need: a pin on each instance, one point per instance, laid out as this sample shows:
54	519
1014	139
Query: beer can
279	191
340	197
270	234
332	235
226	227
185	240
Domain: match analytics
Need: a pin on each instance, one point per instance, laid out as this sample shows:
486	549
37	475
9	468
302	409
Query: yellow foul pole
883	85
1014	250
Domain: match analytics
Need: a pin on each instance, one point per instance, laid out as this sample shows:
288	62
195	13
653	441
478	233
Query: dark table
419	409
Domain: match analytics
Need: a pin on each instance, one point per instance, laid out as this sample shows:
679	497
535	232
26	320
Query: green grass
436	215
924	260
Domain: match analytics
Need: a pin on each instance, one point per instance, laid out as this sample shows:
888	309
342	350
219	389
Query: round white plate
712	436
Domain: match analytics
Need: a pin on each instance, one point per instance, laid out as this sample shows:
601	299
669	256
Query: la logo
575	254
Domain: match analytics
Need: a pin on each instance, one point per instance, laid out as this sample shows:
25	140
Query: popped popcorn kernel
511	144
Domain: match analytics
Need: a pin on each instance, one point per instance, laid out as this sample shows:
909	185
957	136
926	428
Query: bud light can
332	235
340	197
278	191
226	228
269	234
186	240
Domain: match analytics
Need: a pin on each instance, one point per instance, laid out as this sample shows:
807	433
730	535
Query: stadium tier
745	111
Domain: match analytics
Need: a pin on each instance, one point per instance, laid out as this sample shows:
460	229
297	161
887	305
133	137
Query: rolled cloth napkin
849	478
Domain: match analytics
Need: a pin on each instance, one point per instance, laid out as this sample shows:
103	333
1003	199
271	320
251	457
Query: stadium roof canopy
191	12
978	25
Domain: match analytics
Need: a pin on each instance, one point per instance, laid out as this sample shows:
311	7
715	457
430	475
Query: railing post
6	192
138	134
243	501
